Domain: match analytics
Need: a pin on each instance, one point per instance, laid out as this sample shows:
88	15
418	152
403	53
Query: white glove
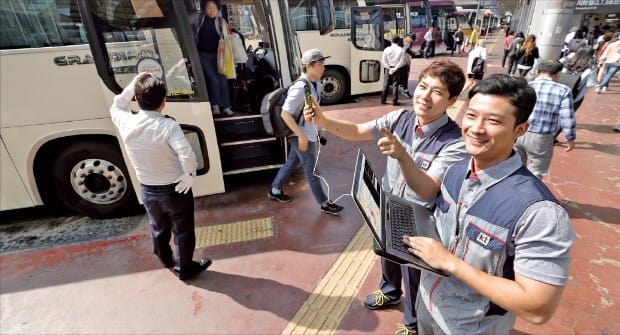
391	71
184	183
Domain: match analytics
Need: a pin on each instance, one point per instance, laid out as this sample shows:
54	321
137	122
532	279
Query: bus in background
465	19
421	19
355	65
62	62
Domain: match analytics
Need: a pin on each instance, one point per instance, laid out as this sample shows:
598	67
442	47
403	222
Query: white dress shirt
428	36
394	57
156	146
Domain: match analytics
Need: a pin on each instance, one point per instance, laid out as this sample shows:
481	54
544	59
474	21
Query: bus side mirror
325	11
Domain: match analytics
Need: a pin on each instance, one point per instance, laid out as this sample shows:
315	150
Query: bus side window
36	24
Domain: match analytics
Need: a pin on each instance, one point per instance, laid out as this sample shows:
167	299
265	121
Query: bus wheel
91	179
334	85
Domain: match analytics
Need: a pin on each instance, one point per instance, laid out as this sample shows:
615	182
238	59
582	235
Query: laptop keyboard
402	223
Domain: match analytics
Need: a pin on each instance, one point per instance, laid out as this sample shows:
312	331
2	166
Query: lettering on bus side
336	34
73	59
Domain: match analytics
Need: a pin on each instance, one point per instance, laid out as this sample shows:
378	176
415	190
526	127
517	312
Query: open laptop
390	217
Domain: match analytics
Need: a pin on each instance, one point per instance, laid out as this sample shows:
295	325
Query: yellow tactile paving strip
234	232
330	300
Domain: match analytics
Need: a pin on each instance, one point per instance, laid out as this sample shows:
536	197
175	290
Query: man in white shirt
394	59
429	38
567	40
165	165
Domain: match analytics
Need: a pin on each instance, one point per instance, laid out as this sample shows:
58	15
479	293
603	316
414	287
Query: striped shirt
553	109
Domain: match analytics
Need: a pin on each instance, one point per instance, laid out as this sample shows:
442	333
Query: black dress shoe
167	262
196	268
396	103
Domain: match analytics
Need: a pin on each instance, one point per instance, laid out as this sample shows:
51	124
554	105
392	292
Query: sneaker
216	110
604	89
404	330
228	111
331	208
197	267
378	300
407	95
279	197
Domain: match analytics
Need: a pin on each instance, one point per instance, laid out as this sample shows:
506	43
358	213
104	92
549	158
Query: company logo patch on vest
483	238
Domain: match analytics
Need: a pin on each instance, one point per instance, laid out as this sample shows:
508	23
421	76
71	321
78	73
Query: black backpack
572	80
477	67
270	110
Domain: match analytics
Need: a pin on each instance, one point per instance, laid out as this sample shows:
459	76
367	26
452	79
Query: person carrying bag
225	56
210	33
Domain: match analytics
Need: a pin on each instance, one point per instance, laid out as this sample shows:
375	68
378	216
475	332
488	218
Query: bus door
394	21
131	36
367	44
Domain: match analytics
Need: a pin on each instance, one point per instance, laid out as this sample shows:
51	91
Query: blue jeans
307	159
217	83
611	70
392	274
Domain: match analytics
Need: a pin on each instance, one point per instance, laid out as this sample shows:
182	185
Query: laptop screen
367	194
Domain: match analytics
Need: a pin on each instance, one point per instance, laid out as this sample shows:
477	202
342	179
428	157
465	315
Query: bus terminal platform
290	269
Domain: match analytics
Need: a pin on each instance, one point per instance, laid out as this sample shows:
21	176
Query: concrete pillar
550	21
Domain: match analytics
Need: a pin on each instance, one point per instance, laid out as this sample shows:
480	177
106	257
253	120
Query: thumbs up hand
390	146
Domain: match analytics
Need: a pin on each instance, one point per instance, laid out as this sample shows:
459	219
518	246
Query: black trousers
390	80
392	274
506	51
171	213
512	65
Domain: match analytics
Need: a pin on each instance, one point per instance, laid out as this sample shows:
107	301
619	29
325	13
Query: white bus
61	63
362	30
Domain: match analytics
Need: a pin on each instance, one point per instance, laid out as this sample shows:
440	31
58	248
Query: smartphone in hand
308	96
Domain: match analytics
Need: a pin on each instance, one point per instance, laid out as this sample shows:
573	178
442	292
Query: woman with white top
475	75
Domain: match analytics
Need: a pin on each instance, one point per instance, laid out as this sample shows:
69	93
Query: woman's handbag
225	58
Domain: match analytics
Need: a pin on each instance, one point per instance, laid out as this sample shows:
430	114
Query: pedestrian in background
581	72
476	64
513	51
553	110
527	55
507	43
602	46
611	59
458	42
404	75
165	165
393	59
429	40
567	39
473	38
